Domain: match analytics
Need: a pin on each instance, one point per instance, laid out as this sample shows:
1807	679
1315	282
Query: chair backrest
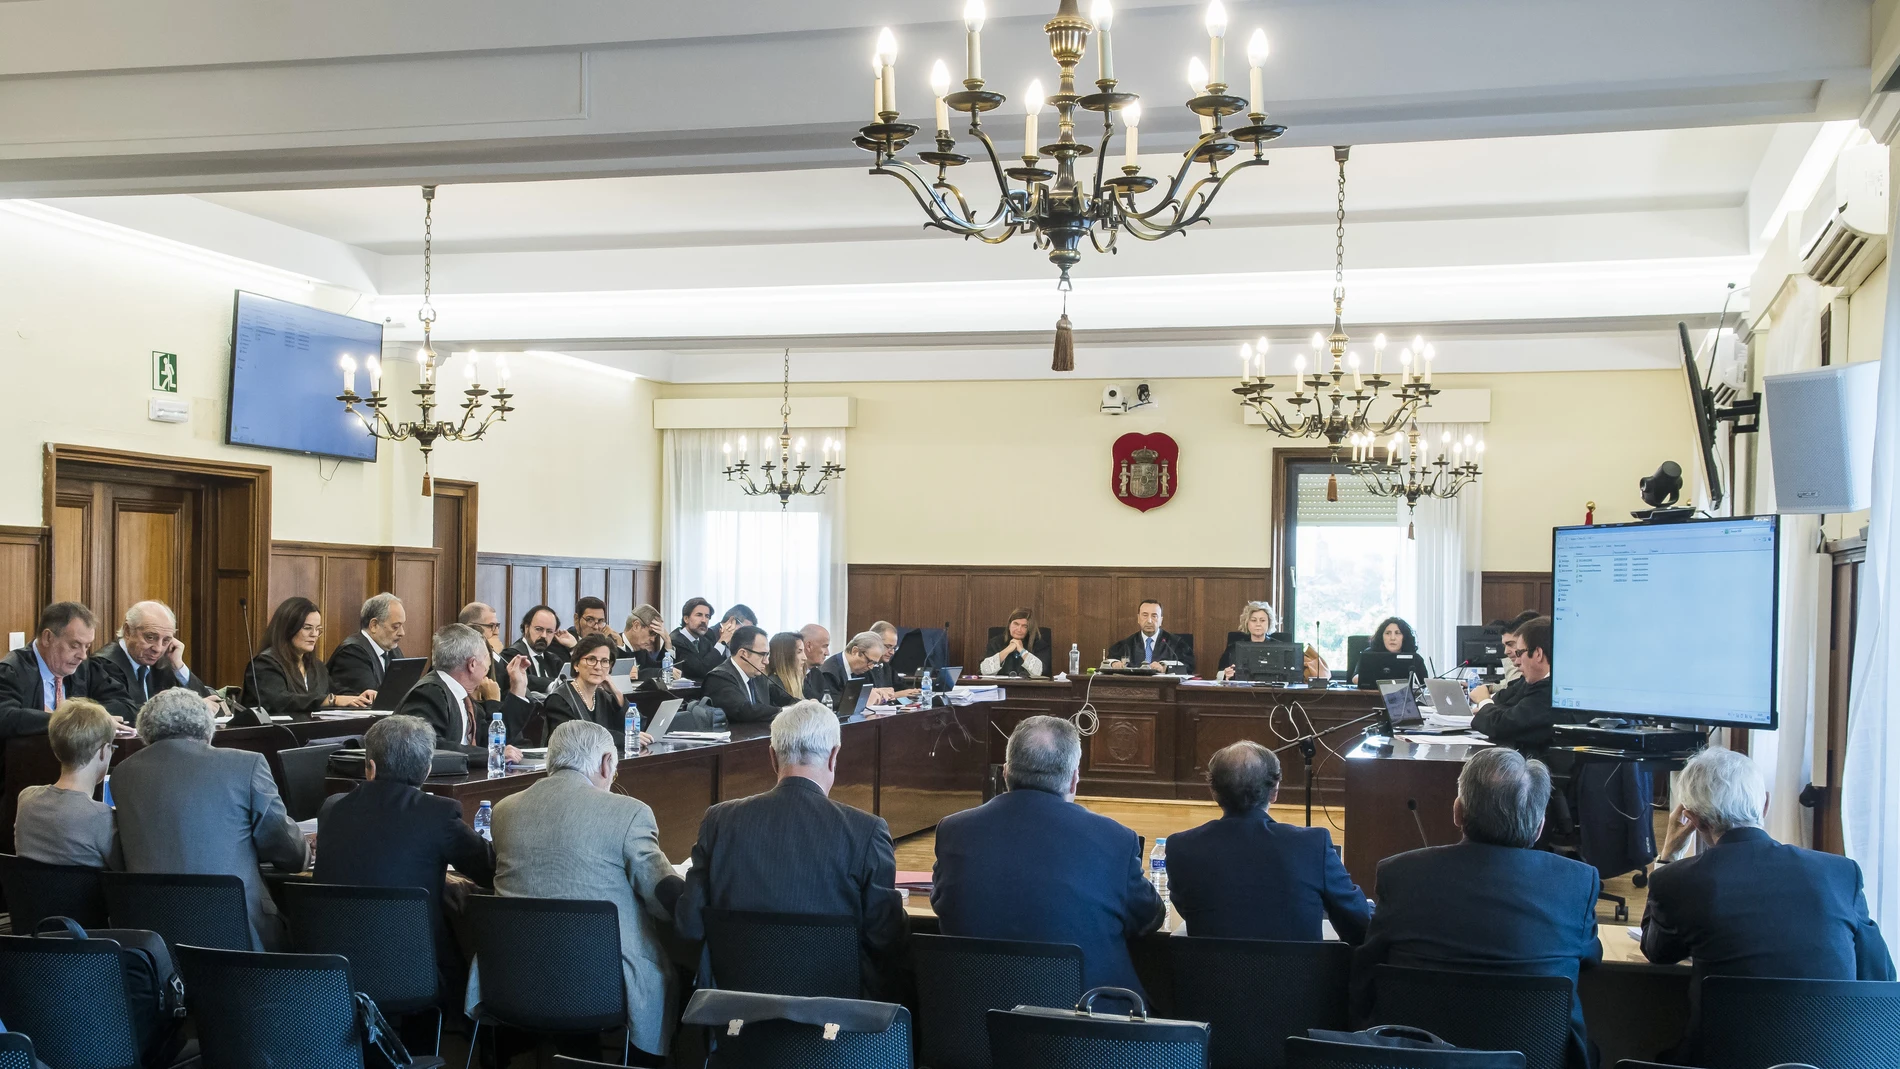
35	890
387	933
256	1009
304	770
16	1051
1750	1023
548	964
1355	645
1304	1053
1255	993
203	910
69	995
1026	1039
959	980
1480	1011
814	955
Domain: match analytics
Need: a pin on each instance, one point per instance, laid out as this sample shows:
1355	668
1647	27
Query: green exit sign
165	372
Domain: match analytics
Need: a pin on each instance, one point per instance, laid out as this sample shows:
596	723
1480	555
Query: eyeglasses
598	662
311	629
496	626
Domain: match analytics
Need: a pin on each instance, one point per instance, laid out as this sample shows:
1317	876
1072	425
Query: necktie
145	689
59	691
1150	645
468	715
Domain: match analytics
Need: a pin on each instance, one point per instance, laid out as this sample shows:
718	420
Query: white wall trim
721	413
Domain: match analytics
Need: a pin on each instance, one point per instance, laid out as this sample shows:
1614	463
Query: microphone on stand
258	713
1412	805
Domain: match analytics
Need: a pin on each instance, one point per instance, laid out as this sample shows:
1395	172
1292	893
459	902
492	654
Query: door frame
470	493
1283	565
213	475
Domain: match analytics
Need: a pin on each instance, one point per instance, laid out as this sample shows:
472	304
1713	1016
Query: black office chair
35	890
1304	1053
1750	1022
1040	645
959	980
811	955
387	933
1028	1038
1600	814
16	1051
754	1031
1256	992
205	911
70	996
547	965
304	769
1480	1011
1355	645
255	1009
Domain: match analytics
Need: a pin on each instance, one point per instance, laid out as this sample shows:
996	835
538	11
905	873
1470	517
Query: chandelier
1056	207
1337	417
785	477
427	430
1406	472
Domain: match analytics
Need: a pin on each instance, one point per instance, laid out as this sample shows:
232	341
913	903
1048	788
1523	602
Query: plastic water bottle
484	818
1075	659
930	686
632	732
497	747
666	668
1158	867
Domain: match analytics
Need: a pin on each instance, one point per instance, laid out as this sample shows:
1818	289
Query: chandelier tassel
1332	488
1411	530
1065	336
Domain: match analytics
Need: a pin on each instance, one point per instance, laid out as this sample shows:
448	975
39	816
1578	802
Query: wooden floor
1154	819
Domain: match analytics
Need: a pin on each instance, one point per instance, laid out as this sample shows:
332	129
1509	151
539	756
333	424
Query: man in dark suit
1526	722
359	661
483	618
794	850
1151	647
387	833
1248	876
851	667
148	657
1491	903
736	686
448	699
697	648
537	651
35	678
1033	865
1747	905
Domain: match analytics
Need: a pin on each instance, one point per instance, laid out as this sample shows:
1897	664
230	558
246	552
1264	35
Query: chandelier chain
1339	247
785	407
427	312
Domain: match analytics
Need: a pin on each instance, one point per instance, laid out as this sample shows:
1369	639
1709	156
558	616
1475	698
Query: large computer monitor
1672	621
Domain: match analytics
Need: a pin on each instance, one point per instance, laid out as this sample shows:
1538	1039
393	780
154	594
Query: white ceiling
669	188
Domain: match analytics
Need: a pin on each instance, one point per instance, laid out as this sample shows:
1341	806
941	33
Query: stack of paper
972	695
699	736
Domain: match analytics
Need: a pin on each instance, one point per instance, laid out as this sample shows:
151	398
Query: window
1343	559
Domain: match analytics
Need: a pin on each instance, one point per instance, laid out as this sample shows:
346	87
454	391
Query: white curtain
1441	581
1870	783
787	563
1785	756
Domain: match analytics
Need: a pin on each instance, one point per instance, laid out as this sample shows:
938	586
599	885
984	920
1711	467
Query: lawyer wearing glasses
589	696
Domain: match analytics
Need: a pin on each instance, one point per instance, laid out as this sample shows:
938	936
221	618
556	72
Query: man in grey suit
187	807
794	850
569	836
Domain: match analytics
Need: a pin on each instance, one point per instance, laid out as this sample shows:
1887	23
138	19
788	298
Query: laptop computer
1381	666
662	720
621	676
1400	712
401	675
1448	697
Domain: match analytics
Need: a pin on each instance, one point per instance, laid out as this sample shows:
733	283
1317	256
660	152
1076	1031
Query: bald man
817	643
148	657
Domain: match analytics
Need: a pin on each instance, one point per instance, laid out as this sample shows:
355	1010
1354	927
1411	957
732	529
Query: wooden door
118	543
455	504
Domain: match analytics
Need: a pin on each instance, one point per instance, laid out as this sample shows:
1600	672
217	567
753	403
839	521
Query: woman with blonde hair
785	670
60	823
1258	623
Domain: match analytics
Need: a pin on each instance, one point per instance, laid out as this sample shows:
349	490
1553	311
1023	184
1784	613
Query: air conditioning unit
1847	237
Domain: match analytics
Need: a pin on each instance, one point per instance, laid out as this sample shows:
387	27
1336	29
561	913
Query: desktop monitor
1382	666
1269	662
1480	647
1670	621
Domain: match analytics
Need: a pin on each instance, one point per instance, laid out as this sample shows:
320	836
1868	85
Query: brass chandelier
1338	417
785	475
1056	207
1408	472
427	430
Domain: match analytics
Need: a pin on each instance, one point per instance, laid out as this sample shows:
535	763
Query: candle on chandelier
940	85
375	369
348	364
742	447
1197	84
1378	354
1358	386
501	370
1032	103
1299	374
887	57
472	370
973	29
1430	354
1132	116
877	87
1216	41
800	450
1260	354
1256	64
1104	15
1246	361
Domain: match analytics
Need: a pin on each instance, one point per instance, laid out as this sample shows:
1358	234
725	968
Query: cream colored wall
80	315
1025	466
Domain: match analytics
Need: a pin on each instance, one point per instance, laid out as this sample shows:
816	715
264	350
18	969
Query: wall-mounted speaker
1821	437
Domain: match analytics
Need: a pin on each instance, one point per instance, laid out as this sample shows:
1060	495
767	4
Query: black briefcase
348	764
1051	1038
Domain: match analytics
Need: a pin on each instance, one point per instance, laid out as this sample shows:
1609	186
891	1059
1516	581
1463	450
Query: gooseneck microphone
1411	804
250	666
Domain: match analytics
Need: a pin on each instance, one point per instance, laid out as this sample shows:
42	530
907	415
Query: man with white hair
359	661
838	676
795	850
1747	905
571	836
148	657
449	699
186	806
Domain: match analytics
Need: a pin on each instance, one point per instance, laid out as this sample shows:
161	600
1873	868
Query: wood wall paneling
514	583
412	575
23	584
1505	594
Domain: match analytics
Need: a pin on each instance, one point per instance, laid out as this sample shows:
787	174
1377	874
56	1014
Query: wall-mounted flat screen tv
286	374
